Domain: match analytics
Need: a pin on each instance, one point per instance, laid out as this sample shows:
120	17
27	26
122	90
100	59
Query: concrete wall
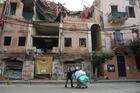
15	29
75	30
28	70
127	34
75	41
14	42
106	9
57	69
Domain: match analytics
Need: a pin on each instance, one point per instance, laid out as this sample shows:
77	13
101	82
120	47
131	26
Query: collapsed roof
50	11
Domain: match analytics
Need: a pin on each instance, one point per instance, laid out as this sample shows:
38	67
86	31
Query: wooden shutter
127	11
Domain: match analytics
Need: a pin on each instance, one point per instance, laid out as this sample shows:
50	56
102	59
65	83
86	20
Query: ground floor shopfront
19	67
121	67
54	67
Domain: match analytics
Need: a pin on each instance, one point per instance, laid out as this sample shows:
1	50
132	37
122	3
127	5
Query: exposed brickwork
131	71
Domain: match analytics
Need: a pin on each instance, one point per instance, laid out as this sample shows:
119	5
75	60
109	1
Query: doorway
121	66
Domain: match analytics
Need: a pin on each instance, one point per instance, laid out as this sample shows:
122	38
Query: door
121	66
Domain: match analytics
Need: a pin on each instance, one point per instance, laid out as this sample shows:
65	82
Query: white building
120	23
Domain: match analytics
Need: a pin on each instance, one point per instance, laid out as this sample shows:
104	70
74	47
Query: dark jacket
69	73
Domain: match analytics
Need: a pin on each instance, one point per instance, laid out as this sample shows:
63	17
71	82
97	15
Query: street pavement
129	87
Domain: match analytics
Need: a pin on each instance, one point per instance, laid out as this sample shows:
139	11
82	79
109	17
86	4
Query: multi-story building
75	42
41	39
15	39
120	22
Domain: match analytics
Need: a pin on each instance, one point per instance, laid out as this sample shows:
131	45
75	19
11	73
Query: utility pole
61	30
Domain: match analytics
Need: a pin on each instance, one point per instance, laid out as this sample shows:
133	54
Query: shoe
65	86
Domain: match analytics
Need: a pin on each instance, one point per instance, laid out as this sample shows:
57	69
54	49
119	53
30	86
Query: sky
75	5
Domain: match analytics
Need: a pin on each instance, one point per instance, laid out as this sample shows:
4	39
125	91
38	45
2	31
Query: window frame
130	15
69	43
13	10
115	8
8	43
22	38
82	44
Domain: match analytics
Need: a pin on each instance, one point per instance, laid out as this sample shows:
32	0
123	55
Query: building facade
120	22
43	44
15	36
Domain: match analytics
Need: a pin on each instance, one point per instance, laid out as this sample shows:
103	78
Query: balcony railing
117	17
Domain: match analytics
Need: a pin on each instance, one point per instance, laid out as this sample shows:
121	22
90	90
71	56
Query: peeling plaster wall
75	30
57	70
14	42
15	29
28	70
2	67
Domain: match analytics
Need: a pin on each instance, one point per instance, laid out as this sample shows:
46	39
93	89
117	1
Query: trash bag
79	73
73	76
83	78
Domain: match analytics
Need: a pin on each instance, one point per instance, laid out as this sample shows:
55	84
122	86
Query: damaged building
41	39
15	40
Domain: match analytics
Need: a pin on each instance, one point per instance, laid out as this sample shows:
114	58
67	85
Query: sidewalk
63	81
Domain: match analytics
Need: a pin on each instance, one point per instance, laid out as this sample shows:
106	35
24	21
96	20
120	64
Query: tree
135	46
98	58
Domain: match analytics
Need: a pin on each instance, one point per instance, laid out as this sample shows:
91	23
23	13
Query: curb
116	81
8	82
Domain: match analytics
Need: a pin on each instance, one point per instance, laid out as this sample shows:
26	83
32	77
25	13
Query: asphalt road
59	88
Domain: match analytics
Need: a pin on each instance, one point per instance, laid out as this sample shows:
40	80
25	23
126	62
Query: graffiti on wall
57	70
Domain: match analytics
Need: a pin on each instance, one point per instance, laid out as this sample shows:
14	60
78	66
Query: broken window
130	12
45	44
21	41
114	8
82	42
28	9
68	42
7	40
13	8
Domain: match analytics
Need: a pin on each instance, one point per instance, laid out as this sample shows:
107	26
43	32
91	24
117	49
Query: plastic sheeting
43	65
79	73
80	76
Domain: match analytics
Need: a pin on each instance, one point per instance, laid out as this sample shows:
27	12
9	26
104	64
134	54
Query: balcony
117	17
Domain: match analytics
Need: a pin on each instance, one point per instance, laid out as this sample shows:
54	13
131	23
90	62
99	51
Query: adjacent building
119	21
